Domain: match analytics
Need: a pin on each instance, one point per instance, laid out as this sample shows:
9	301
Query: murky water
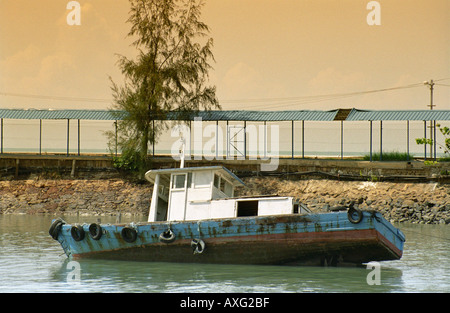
30	261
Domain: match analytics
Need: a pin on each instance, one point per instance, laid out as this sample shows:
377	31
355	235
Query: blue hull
313	239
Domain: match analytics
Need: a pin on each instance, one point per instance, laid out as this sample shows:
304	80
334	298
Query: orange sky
264	49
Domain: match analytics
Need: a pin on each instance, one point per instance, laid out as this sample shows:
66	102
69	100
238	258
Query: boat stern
388	235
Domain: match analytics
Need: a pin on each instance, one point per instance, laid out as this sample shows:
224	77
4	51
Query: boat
195	217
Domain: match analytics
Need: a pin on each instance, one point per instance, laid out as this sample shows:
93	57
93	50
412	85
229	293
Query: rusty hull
310	239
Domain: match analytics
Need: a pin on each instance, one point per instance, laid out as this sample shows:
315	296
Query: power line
273	102
259	102
316	97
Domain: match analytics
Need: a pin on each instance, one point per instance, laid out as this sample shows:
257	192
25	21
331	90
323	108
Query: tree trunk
143	152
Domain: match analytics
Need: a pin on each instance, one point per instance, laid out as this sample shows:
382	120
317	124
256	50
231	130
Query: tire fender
95	231
354	216
55	228
129	234
167	236
198	246
77	232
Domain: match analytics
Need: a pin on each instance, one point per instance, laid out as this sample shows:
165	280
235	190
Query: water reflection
122	276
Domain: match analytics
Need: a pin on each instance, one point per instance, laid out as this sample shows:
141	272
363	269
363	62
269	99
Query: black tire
354	216
129	234
77	232
56	227
198	246
95	231
167	237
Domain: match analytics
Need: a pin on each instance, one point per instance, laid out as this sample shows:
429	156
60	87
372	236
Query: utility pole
432	127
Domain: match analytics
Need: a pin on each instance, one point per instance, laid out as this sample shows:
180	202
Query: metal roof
241	115
236	115
399	115
151	174
34	114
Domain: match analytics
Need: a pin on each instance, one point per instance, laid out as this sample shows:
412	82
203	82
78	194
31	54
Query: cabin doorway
162	198
247	208
161	210
177	197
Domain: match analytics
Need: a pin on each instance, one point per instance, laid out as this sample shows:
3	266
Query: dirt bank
427	203
74	197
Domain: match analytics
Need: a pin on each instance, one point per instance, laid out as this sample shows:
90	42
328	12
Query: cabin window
216	181
222	184
247	208
228	189
178	181
202	179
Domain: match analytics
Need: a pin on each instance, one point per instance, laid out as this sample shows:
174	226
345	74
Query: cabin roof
151	174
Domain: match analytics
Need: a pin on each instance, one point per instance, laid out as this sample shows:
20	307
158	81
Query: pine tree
168	76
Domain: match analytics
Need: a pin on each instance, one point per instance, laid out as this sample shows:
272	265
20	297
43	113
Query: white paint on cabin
206	192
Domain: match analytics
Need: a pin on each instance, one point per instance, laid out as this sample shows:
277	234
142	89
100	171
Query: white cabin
197	193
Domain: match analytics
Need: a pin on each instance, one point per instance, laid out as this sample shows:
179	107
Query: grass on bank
389	156
397	156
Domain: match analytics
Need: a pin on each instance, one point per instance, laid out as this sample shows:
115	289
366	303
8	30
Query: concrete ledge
31	163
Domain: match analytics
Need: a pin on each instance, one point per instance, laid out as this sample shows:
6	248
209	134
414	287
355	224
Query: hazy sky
282	52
